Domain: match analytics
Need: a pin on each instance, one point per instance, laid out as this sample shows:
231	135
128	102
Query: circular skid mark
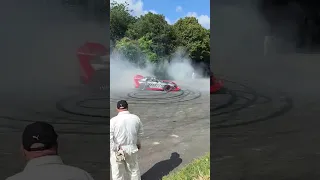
91	106
92	116
65	126
160	97
155	95
241	105
94	103
163	112
98	106
88	115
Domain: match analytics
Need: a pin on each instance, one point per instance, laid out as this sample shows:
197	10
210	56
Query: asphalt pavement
176	127
83	139
39	41
266	126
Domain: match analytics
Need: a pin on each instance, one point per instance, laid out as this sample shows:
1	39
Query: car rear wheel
142	87
167	88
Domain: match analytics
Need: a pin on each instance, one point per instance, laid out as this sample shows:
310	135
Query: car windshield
151	79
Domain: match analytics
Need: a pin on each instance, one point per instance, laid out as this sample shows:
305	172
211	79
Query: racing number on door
154	85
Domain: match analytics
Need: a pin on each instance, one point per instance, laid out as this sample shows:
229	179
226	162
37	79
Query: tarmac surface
82	139
266	124
176	126
38	49
267	127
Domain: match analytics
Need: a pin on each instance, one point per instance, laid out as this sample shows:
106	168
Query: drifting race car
154	84
94	65
215	85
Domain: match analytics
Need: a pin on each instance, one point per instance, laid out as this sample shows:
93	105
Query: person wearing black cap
40	149
125	133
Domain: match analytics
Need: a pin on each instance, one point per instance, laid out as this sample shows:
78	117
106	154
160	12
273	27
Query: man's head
122	105
39	139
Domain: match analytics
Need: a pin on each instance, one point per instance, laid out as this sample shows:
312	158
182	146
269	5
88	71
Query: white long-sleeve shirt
125	130
50	168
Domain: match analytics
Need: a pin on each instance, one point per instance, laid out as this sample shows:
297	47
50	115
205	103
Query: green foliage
150	37
156	28
120	19
194	38
137	51
145	44
130	49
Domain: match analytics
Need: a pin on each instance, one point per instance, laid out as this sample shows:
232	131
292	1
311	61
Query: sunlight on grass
199	169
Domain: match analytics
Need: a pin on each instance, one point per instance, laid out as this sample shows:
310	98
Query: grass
199	169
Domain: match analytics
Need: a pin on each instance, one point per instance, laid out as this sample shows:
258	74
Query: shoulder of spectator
83	173
89	177
14	177
78	172
112	120
136	116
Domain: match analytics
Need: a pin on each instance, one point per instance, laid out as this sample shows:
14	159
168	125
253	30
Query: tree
157	29
151	38
130	50
137	51
196	39
145	44
120	19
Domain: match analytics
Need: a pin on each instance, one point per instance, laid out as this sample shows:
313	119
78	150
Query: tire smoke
178	69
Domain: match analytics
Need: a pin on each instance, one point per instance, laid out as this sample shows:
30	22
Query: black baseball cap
39	136
122	104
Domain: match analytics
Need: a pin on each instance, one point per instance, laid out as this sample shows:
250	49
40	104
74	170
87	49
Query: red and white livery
154	84
94	64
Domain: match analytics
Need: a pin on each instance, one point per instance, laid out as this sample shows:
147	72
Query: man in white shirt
40	149
193	75
125	133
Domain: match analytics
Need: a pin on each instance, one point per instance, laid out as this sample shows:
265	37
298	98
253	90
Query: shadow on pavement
162	168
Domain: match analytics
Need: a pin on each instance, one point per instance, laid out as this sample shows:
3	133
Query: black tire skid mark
74	121
81	103
60	106
20	127
249	101
286	108
236	95
155	96
234	98
142	98
179	97
20	123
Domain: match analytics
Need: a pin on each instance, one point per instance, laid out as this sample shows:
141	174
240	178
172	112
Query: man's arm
113	145
140	133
